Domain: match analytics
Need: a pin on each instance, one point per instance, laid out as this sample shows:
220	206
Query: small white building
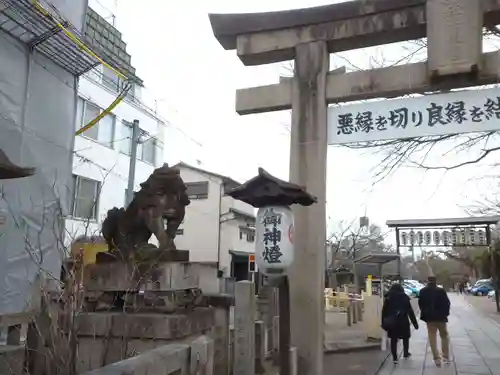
102	153
217	229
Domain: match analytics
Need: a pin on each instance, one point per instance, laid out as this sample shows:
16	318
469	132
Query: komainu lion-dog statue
162	197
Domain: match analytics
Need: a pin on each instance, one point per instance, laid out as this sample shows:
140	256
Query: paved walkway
475	346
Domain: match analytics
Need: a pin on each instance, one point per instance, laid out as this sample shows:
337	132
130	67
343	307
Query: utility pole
133	160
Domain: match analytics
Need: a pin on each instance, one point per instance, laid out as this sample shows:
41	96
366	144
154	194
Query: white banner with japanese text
439	114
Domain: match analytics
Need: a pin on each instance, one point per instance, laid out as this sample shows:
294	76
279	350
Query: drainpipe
221	189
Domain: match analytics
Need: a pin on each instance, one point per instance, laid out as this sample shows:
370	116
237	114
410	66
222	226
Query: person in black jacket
396	315
434	307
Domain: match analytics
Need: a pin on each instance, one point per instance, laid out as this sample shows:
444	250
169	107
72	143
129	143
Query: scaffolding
24	21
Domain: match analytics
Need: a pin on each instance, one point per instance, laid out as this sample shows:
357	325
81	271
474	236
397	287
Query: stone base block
148	255
105	338
119	277
145	325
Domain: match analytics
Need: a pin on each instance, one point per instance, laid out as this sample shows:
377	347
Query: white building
101	154
217	228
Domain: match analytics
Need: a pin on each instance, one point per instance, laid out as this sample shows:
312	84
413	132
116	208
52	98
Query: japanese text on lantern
272	237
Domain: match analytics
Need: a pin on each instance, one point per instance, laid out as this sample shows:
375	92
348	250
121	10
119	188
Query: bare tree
419	152
52	337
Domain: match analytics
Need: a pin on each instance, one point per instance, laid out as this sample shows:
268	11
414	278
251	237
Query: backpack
390	321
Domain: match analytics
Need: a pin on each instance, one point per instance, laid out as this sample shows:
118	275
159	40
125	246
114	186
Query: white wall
71	10
107	164
201	224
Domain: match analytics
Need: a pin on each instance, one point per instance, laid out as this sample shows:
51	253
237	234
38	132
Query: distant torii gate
446	232
454	32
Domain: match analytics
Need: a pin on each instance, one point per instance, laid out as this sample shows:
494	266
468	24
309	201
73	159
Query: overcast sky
194	80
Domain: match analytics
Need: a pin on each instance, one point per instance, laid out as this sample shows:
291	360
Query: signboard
436	236
481	237
420	238
251	263
428	237
453	237
412	238
455	112
274	234
404	239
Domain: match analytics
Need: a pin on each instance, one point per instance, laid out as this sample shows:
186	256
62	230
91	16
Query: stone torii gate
308	36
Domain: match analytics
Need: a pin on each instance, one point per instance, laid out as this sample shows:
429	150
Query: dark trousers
394	347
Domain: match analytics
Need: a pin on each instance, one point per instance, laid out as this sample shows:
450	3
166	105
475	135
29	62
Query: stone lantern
274	228
274	251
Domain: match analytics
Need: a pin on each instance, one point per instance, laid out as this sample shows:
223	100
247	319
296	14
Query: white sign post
456	112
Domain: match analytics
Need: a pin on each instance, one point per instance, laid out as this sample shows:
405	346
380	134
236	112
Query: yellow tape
82	45
106	111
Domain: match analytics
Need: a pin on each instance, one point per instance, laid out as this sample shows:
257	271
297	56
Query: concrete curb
353	349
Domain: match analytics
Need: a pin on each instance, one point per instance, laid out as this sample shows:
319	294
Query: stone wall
106	338
196	358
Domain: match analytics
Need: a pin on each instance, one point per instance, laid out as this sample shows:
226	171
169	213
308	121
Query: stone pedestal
134	308
145	287
118	276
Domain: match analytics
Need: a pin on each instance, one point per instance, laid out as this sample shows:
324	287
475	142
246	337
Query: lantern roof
266	190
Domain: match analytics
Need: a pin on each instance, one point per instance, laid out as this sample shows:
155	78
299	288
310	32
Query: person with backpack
396	316
434	307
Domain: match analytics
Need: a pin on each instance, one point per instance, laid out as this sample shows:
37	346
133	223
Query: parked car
478	283
491	295
408	292
413	288
482	289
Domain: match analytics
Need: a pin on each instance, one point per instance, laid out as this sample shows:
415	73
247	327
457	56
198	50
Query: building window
197	190
248	234
146	149
125	144
101	132
85	198
106	129
250	237
110	79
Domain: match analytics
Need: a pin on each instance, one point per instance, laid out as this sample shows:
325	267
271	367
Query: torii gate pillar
308	155
308	35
